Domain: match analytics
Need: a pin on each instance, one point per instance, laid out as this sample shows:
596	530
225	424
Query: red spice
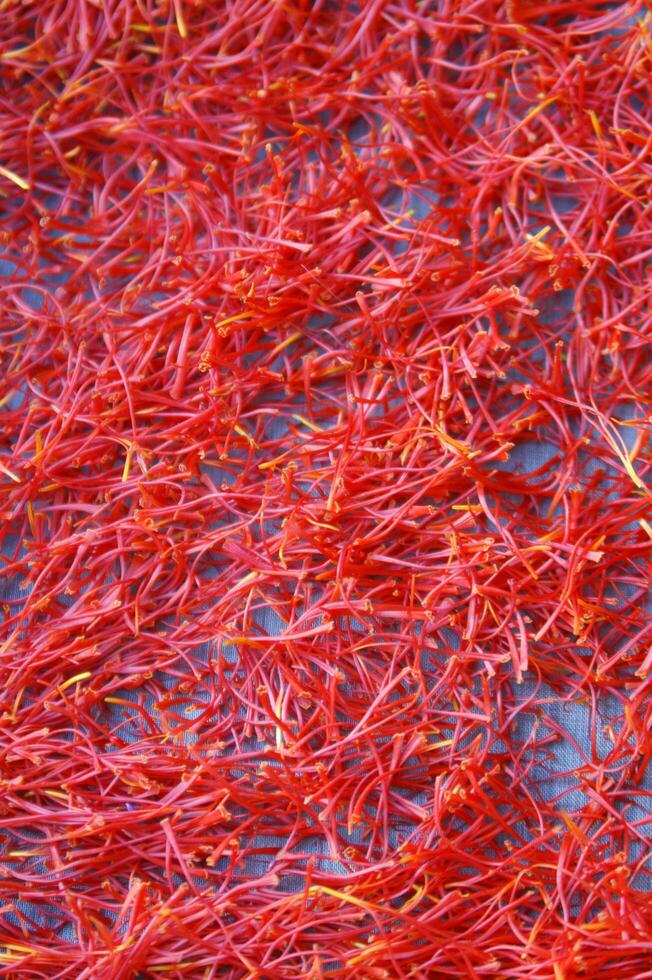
325	379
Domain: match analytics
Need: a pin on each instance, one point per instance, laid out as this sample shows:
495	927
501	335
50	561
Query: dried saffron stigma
325	489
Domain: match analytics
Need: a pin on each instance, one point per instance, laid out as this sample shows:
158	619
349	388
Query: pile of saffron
325	384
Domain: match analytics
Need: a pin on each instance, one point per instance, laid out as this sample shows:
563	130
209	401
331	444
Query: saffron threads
325	470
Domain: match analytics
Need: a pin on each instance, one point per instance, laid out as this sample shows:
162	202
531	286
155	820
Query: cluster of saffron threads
325	383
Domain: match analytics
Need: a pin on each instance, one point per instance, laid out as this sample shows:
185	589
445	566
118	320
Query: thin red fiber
326	382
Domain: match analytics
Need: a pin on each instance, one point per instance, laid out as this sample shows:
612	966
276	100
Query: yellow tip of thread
73	680
646	527
127	466
595	122
181	24
14	178
539	108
